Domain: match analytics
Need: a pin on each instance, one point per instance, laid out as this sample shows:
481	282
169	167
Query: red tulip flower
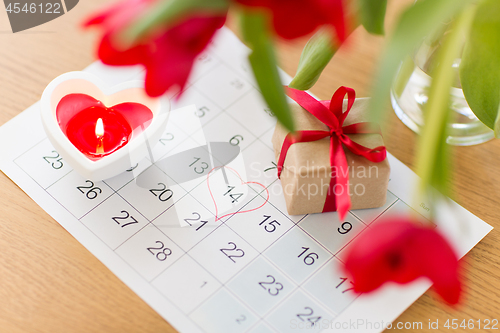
401	250
296	18
168	56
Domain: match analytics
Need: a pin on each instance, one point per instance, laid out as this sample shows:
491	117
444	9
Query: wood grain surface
50	283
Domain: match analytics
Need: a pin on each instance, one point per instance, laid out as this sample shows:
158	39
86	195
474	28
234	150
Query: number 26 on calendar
90	190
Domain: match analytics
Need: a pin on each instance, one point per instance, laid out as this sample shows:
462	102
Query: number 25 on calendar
56	162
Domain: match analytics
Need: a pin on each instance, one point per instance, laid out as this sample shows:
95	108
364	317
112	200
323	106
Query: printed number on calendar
241	319
272	287
167	137
204	58
234	196
125	220
132	168
163	193
162	252
199	166
91	191
309	257
237	84
201	112
233	252
271	167
235	140
54	161
344	288
269	226
345	228
197	217
308	315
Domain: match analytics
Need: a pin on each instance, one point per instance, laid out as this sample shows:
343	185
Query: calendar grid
295	225
23	153
298	286
214	251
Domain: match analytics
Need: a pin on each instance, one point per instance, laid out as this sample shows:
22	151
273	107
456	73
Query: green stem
437	108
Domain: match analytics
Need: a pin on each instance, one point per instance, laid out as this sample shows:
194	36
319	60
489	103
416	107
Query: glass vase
409	94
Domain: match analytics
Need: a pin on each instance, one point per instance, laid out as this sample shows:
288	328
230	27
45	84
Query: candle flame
99	128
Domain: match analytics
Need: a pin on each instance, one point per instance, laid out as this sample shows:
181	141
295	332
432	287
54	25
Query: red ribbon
330	113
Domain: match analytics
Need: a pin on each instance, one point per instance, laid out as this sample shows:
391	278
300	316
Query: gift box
336	161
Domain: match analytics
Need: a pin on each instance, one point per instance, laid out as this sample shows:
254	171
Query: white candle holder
139	145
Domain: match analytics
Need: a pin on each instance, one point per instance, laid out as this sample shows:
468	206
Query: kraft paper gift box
307	169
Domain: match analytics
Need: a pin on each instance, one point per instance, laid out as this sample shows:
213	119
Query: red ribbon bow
330	113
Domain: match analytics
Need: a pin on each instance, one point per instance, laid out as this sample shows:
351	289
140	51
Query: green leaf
480	66
256	34
417	22
164	12
432	154
496	128
372	13
317	53
405	72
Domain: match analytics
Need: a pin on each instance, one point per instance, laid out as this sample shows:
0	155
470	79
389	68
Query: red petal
334	15
118	14
168	57
194	33
400	250
169	66
171	60
254	3
163	76
295	18
110	55
438	262
101	16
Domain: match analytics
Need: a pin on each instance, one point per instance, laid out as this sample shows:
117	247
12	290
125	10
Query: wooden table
50	283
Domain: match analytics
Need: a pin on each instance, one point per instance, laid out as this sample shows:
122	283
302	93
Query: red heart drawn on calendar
217	217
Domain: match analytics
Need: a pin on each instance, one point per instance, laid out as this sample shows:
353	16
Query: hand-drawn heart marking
217	217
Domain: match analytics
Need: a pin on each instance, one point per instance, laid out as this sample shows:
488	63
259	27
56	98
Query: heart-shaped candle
97	130
101	131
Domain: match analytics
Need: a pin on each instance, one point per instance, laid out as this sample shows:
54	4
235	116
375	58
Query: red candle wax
78	115
81	131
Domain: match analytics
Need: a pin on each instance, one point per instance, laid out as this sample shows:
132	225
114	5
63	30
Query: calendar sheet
212	249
